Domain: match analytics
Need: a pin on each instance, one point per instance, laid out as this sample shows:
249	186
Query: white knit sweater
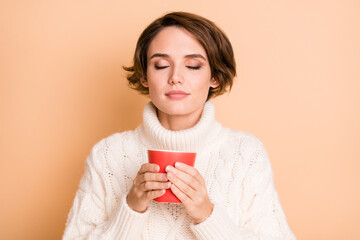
234	164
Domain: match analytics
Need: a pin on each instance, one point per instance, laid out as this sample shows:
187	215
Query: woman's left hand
189	187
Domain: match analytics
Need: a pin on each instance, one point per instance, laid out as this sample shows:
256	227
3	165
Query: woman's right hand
147	185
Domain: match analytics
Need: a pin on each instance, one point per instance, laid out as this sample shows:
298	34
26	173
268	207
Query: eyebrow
186	56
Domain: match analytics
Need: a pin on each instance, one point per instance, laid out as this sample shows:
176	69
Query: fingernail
178	164
168	168
156	168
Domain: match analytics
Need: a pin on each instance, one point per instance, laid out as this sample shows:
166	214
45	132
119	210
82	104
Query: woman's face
178	73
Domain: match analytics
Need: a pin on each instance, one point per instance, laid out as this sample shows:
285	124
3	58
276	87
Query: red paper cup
164	158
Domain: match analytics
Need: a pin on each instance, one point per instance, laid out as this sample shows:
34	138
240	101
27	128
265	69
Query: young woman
181	61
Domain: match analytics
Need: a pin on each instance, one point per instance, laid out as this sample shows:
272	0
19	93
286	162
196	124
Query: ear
144	82
214	83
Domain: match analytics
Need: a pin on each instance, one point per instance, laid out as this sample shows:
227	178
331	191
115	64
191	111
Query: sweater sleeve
88	218
259	208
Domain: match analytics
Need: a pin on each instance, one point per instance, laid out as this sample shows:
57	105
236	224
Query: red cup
164	158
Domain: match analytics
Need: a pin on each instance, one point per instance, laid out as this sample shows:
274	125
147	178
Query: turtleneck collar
194	139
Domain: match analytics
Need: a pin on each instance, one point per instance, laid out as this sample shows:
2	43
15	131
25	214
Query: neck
179	122
197	132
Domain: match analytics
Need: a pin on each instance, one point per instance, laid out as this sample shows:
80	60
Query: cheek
156	86
156	75
152	79
201	80
201	88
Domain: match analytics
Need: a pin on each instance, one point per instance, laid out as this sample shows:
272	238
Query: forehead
175	41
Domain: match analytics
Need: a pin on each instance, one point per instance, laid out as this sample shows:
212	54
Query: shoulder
248	148
114	141
111	146
246	140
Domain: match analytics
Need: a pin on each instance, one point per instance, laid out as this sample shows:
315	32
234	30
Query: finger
190	170
185	177
150	186
155	194
183	187
149	167
153	177
179	194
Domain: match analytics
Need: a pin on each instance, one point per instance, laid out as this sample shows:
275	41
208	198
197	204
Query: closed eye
194	68
160	67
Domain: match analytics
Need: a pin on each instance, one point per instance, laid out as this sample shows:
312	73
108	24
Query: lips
177	94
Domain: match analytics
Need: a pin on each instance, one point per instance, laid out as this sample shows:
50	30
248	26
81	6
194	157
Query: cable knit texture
234	164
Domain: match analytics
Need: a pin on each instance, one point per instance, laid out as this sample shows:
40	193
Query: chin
175	110
178	107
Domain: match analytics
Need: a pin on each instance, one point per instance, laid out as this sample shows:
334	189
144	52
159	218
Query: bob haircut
216	44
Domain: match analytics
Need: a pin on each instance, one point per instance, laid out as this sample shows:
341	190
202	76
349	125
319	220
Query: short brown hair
216	44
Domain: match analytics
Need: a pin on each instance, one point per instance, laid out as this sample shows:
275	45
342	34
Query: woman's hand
189	186
147	185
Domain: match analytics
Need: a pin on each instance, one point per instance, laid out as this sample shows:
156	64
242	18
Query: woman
181	60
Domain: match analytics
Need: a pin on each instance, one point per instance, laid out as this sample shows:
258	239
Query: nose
176	76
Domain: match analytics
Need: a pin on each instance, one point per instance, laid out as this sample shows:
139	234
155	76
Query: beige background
62	89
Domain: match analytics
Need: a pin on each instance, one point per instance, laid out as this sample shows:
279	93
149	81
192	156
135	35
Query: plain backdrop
63	89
